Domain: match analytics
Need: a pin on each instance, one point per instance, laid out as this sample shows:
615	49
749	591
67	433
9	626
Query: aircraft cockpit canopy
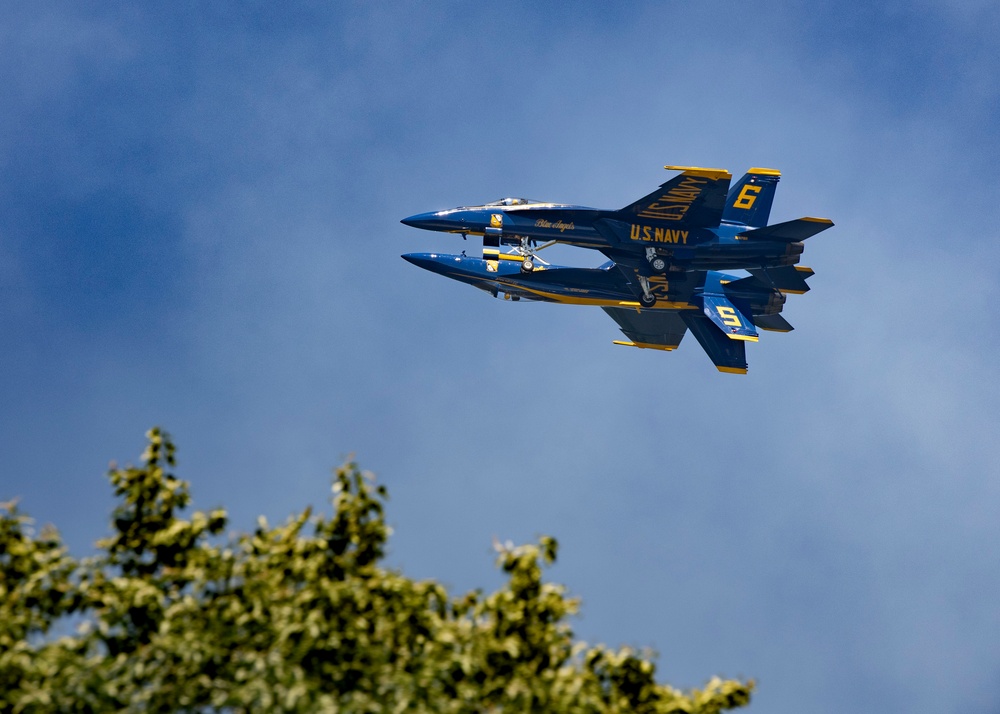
511	202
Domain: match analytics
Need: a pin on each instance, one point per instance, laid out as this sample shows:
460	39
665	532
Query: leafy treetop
296	617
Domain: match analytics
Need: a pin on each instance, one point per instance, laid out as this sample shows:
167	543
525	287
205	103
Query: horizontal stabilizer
654	329
727	355
786	278
748	284
797	230
733	320
774	323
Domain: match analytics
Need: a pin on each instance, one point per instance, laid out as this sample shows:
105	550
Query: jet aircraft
666	252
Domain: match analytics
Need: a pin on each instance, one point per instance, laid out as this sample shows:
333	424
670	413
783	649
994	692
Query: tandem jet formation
665	255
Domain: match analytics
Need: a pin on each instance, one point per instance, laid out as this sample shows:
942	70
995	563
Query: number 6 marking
747	196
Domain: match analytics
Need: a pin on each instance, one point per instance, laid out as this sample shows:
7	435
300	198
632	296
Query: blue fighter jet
665	250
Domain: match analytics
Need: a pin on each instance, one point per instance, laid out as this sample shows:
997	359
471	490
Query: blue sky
199	228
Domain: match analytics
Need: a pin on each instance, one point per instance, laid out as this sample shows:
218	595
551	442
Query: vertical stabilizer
727	355
749	201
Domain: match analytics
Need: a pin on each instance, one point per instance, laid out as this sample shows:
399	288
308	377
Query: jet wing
694	199
649	329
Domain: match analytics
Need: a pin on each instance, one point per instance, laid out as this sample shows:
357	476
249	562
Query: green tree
296	617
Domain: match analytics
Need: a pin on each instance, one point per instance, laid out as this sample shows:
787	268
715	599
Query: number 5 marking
728	316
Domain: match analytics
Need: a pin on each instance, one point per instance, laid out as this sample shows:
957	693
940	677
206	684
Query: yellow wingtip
732	370
643	345
699	171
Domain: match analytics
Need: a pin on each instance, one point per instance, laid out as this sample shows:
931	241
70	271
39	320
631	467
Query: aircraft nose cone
421	220
427	261
453	221
415	258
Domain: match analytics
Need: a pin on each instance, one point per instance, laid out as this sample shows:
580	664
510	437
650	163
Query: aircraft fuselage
718	248
605	286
